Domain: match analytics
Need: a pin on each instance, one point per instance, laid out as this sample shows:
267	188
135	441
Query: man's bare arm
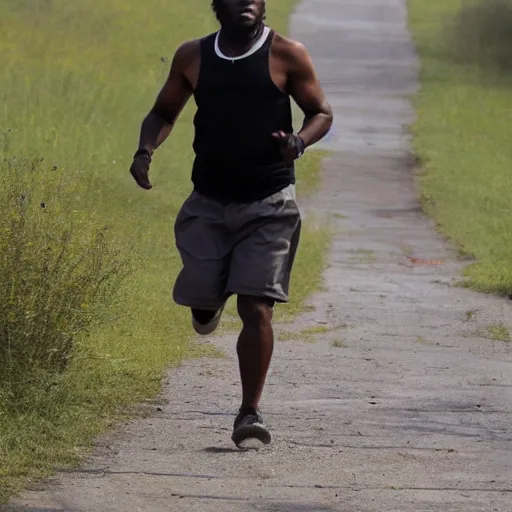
307	92
169	103
160	121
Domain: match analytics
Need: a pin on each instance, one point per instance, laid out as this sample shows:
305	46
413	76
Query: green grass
309	176
462	138
498	332
74	89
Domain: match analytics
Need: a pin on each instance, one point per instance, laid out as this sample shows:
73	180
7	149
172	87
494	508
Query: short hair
215	5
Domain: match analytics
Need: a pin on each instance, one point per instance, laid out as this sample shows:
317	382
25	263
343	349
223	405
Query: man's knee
255	311
192	291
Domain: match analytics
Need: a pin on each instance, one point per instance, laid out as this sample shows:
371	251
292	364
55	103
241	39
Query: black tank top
238	109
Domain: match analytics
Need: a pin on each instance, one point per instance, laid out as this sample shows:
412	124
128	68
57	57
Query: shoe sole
210	327
247	432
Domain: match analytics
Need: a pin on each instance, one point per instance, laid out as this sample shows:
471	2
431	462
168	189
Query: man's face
241	13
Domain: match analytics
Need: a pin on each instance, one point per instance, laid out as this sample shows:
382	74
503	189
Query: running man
238	231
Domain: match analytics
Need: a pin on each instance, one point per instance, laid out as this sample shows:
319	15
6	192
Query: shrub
60	275
481	33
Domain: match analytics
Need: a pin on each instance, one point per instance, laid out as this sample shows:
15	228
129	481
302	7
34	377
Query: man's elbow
329	119
161	114
328	114
324	113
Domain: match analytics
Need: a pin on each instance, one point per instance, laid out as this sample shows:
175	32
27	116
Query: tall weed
60	275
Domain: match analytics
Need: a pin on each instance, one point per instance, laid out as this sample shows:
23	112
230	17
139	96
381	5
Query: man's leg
205	249
260	269
254	348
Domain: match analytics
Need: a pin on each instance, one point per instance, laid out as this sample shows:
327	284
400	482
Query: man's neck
233	43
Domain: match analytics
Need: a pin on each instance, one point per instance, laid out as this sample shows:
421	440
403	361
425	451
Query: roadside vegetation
463	131
87	324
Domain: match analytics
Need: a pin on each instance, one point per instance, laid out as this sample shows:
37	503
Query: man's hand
292	146
140	169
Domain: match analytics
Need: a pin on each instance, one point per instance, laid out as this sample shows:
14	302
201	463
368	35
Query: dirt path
401	405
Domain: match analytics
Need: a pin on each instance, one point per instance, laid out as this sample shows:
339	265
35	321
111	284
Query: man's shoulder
191	48
187	48
285	47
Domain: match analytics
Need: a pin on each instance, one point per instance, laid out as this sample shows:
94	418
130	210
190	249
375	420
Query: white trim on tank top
254	49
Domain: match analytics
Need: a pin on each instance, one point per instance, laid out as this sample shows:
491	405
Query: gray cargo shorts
236	249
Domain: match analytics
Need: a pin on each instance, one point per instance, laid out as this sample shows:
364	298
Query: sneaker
208	327
249	426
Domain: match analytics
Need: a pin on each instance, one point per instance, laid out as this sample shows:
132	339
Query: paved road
402	405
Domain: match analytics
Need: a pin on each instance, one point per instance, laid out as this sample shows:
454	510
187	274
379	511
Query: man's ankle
248	409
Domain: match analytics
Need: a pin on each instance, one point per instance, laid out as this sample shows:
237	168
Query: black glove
292	146
140	168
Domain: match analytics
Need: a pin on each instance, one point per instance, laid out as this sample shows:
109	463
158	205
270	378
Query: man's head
241	18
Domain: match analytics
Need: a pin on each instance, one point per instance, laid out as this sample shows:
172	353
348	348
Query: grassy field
77	79
462	138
